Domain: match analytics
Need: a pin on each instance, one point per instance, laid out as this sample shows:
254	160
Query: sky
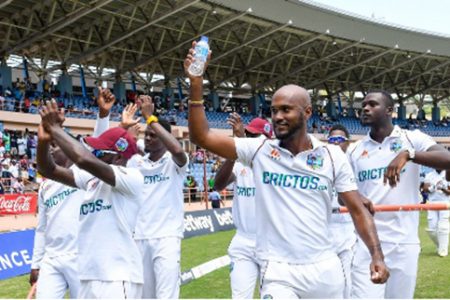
429	15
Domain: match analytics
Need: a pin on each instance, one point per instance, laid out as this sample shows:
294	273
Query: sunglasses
337	139
101	153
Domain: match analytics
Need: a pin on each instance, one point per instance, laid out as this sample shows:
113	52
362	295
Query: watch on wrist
411	153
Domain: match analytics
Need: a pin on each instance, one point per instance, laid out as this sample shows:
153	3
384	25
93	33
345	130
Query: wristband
196	102
152	119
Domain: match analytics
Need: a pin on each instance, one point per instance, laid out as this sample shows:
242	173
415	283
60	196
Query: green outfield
433	280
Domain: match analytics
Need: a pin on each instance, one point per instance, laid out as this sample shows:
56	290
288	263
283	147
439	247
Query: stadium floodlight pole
400	207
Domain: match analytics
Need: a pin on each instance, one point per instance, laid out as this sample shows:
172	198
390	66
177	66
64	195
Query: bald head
294	92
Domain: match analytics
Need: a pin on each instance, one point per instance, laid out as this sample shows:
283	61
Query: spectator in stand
2	188
18	187
14	168
23	163
2	151
191	184
21	145
13	141
32	173
32	144
7	140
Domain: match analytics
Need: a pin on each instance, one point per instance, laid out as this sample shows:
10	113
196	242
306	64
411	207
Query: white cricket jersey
244	200
162	211
107	250
293	197
369	160
437	179
57	228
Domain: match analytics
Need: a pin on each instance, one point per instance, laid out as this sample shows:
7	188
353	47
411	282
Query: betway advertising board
207	221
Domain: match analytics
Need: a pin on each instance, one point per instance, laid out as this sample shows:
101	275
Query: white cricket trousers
439	229
161	261
56	275
344	240
244	268
323	279
401	260
97	289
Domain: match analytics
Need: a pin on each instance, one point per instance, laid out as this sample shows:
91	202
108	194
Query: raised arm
199	132
171	143
365	227
52	120
105	102
225	174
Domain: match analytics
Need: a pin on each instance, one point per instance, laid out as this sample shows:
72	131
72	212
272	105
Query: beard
292	129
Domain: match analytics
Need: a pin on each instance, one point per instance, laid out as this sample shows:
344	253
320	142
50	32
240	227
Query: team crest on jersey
396	146
314	161
275	154
243	172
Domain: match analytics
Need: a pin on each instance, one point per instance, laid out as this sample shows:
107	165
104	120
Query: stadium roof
257	49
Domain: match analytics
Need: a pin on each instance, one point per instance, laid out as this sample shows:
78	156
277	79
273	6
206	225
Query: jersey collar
316	143
396	132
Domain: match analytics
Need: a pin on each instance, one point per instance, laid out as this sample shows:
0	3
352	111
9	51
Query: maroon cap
115	139
260	126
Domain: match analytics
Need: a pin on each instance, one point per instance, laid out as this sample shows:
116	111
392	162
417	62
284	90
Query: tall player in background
54	266
244	269
294	178
111	266
159	226
386	165
436	185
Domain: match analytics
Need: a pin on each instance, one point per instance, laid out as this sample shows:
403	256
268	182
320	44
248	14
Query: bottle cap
204	38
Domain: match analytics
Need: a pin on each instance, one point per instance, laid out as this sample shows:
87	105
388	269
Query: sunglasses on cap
101	153
337	139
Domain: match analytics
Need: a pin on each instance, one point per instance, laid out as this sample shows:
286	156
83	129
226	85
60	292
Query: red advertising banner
16	204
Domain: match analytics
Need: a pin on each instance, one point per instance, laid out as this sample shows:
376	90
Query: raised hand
105	101
147	106
51	116
127	116
134	131
235	121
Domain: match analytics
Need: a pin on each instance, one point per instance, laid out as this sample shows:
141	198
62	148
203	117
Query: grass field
433	280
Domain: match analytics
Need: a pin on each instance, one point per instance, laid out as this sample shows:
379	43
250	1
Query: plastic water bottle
201	55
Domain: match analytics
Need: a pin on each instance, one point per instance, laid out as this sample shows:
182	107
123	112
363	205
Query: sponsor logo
373	174
396	145
93	183
94	206
314	161
193	223
364	154
306	182
275	154
243	172
245	191
19	204
155	178
56	199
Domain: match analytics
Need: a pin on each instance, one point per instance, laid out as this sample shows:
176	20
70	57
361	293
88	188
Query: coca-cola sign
16	204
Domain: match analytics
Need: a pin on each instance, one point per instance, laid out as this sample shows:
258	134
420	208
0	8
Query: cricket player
436	185
386	165
55	254
341	225
244	268
159	226
110	264
294	178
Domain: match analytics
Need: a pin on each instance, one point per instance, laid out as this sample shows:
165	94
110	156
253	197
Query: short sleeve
135	161
183	168
129	181
345	179
81	178
246	149
421	141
